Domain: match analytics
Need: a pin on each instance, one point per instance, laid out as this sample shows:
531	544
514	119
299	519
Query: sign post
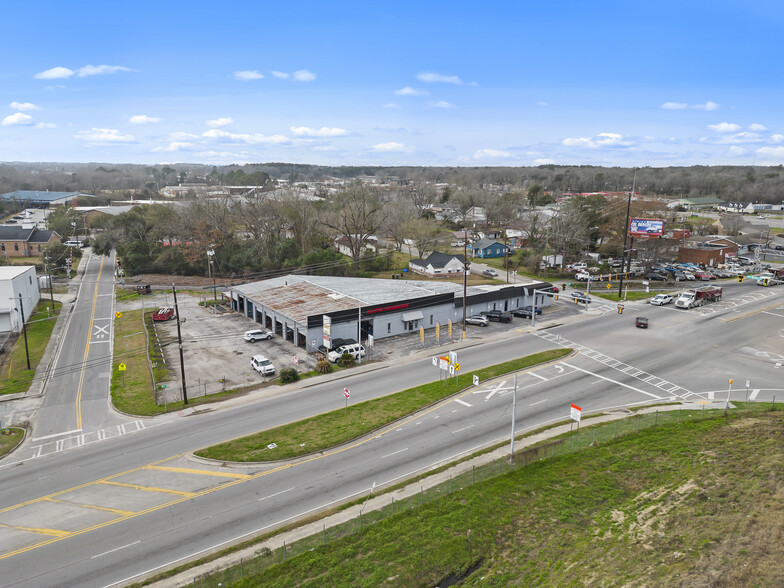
575	414
347	394
121	369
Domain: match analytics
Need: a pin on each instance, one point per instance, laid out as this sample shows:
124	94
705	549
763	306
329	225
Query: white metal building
16	280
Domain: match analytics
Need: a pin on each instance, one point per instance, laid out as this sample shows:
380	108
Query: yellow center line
94	507
198	472
150	489
87	350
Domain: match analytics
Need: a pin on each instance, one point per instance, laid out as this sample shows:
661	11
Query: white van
73	243
355	350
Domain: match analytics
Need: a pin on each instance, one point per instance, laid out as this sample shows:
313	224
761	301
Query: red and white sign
576	413
346	393
296	360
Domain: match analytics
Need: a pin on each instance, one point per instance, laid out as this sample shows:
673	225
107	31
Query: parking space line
147	488
197	472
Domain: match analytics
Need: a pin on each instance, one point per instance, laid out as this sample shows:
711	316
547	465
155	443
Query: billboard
646	227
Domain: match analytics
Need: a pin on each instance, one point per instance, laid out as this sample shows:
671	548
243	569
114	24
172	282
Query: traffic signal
555	297
740	279
564	287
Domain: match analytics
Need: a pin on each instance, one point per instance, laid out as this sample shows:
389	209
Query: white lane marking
139	425
773	313
276	494
711	395
463	402
463	429
614	381
535	375
538	402
115	549
59	445
37	451
754	393
394	453
559	368
55	435
99	341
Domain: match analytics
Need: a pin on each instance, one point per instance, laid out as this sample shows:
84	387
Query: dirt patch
166	280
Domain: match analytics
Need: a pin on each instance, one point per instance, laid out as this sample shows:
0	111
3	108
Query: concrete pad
55	516
118	497
13	539
165	480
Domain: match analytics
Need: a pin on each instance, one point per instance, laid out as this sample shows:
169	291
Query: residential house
343	245
22	242
438	265
486	248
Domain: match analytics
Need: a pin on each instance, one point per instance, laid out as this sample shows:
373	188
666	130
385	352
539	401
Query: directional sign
346	393
435	361
451	370
118	314
121	367
296	360
476	380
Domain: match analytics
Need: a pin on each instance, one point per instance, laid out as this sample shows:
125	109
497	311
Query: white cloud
18	119
757	127
391	146
54	73
280	74
600	140
303	75
707	106
104	136
742	137
777	138
180	136
409	91
736	151
543	161
492	154
98	70
774	152
390	105
24	106
43	125
174	146
143	119
322	132
442	104
248	74
254	139
683	105
724	127
429	78
220	122
542	103
674	105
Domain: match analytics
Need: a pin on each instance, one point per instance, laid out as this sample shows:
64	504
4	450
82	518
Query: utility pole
514	416
49	275
626	234
465	277
24	328
179	341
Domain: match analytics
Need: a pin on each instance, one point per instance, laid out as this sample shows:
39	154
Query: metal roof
39	196
8	272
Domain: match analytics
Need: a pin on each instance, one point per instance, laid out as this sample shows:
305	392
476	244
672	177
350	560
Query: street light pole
24	328
465	283
179	341
626	234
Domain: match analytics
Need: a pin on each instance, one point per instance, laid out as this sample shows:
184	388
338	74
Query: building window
16	246
431	319
389	328
2	246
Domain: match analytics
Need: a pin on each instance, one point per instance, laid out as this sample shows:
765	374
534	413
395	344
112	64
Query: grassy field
333	428
14	374
10	438
694	502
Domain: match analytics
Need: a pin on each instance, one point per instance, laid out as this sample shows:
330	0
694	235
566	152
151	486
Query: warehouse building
41	199
294	306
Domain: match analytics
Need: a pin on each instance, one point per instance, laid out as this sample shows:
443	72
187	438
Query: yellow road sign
121	367
118	314
457	367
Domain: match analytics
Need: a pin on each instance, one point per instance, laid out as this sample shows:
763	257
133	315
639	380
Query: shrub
288	375
324	367
346	360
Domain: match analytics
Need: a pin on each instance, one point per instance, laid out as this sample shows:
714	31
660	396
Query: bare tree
426	236
355	214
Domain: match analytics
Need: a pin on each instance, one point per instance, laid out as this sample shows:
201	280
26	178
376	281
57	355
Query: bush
346	360
324	367
288	375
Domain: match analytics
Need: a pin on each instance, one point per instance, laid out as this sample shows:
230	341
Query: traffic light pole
179	342
626	234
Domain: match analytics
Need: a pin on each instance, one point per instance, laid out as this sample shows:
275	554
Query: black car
657	277
641	322
525	311
336	342
498	316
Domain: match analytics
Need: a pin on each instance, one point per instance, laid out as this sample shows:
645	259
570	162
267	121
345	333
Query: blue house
485	248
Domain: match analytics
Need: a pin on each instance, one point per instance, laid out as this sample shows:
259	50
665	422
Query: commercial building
41	199
294	306
16	280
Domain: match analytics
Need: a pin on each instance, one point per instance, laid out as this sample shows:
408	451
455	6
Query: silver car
478	319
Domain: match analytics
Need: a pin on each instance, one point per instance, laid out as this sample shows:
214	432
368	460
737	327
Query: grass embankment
333	428
696	502
134	393
14	374
10	438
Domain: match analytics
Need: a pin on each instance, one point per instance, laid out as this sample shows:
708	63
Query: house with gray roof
23	242
438	265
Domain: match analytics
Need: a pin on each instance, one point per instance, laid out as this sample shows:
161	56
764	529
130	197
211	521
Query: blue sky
393	83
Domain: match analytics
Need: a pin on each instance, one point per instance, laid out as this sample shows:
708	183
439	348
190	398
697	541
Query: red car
163	314
705	276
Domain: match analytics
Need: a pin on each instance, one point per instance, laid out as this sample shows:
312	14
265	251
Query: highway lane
229	512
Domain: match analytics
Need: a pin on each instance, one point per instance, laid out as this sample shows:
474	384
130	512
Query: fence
570	442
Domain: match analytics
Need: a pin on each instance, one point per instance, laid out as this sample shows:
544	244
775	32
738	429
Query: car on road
581	297
262	365
489	272
525	311
355	350
661	299
583	276
641	322
478	319
498	316
256	335
163	314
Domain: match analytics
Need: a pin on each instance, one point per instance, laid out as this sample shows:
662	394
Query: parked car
641	322
355	350
704	276
336	342
688	276
262	365
163	314
498	316
661	299
489	272
679	275
257	334
525	311
656	276
581	297
583	276
478	319
577	267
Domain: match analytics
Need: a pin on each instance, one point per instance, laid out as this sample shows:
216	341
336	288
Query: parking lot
218	358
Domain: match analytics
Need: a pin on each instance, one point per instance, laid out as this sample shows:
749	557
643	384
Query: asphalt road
109	510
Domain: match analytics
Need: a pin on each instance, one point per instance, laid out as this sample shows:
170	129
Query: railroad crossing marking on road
101	332
500	387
